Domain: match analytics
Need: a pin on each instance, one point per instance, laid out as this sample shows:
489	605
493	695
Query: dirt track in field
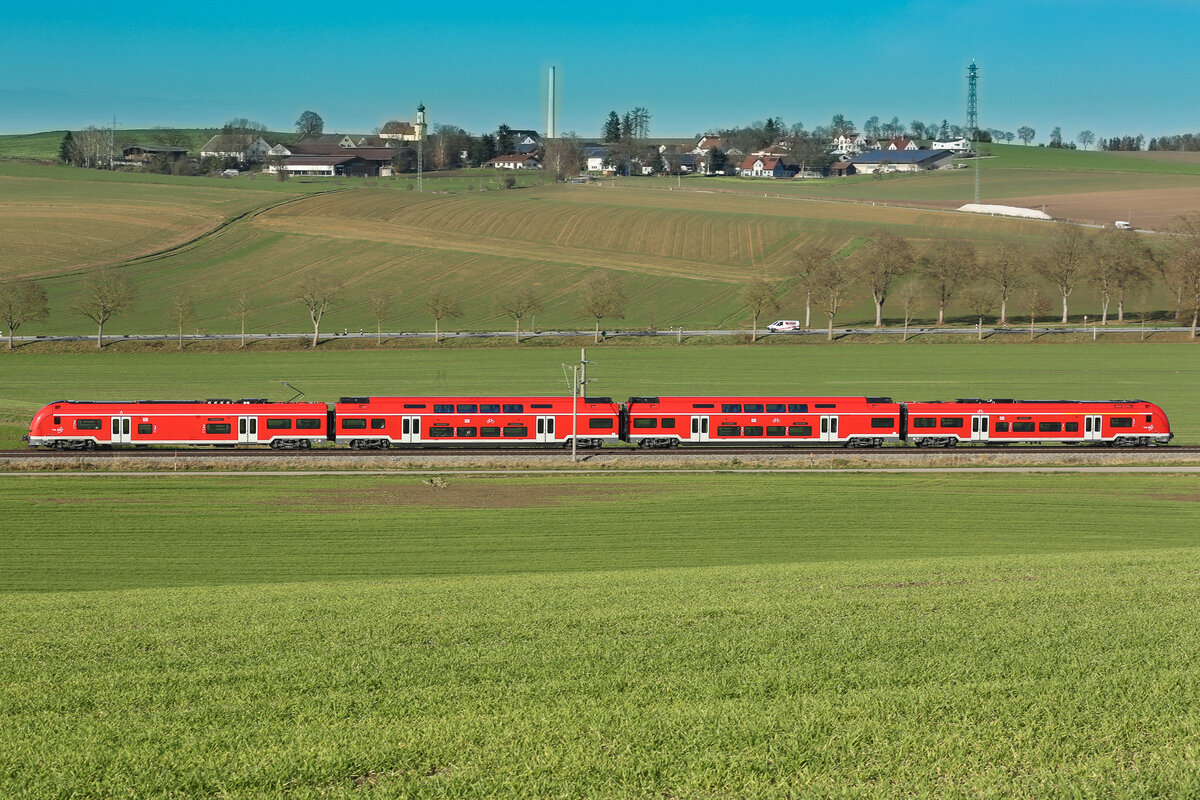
1145	208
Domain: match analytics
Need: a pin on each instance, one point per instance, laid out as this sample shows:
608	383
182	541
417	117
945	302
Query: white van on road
782	325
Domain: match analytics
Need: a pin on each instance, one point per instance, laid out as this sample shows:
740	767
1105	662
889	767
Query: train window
924	422
87	424
728	430
1049	427
1022	427
515	431
797	408
1001	427
752	430
776	430
826	405
489	408
514	408
1121	422
468	408
541	405
800	430
754	408
279	424
308	424
145	428
952	422
605	424
378	423
440	432
443	408
217	427
1072	426
645	422
776	408
883	422
58	420
415	405
466	433
703	405
354	423
1148	418
489	431
668	422
731	408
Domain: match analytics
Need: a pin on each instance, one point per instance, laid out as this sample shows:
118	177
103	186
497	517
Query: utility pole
578	384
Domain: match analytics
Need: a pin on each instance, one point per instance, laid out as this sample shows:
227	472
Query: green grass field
1166	374
611	636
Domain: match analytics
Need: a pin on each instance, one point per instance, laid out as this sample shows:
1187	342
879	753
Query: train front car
848	421
1127	423
369	423
86	425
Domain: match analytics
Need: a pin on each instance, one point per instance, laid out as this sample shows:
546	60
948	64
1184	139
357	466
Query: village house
766	167
882	161
236	146
514	161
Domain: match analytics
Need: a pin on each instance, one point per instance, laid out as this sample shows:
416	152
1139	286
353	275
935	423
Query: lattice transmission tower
972	131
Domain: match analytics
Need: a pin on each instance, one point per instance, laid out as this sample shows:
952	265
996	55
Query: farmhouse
960	145
349	165
766	167
514	161
594	156
879	161
236	146
901	143
143	154
399	131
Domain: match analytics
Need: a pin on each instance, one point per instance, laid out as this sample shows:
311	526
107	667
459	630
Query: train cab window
145	428
645	422
797	408
515	431
466	433
776	430
703	405
728	430
1022	427
514	408
308	424
776	408
731	408
58	420
1121	422
443	408
354	424
752	430
415	405
279	424
489	431
489	408
1001	427
218	427
468	408
440	432
378	423
800	430
87	425
883	422
1072	427
1149	418
1049	427
924	422
754	408
603	424
668	422
952	422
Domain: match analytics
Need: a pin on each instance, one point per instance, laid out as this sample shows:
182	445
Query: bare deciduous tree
520	305
759	296
1037	304
1122	262
1008	268
441	306
1184	264
242	310
317	293
602	297
103	295
910	297
947	266
21	301
1068	258
807	259
381	308
181	311
881	260
979	303
833	283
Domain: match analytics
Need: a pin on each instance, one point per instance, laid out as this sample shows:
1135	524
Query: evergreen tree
67	149
612	127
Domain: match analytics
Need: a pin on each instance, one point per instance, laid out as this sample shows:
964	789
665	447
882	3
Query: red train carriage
378	422
84	425
1114	422
850	421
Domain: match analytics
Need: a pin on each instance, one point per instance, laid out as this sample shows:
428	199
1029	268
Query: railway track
322	453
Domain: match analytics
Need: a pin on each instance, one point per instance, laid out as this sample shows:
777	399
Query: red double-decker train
590	422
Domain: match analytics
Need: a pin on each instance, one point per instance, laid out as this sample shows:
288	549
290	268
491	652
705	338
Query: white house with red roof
901	143
766	167
514	161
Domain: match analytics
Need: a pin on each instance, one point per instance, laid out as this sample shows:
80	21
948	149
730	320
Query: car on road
783	325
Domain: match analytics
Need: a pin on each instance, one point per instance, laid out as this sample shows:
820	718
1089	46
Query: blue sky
1114	68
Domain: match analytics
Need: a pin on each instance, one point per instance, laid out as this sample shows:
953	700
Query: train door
247	430
545	429
979	428
410	429
829	428
121	427
1091	428
699	429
